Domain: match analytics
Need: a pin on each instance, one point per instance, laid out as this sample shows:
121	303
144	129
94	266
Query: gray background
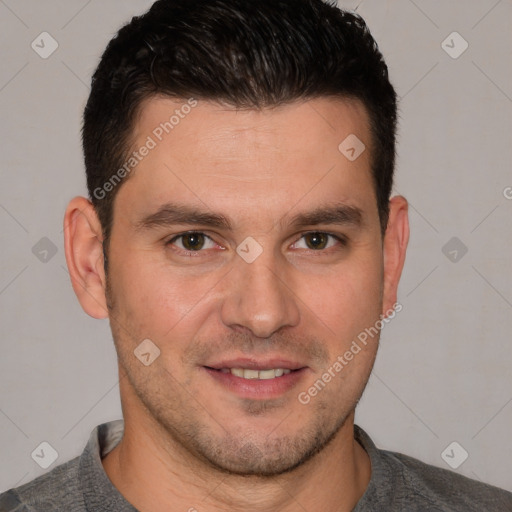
443	373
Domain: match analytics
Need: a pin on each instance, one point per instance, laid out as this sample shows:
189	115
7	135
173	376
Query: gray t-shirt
398	483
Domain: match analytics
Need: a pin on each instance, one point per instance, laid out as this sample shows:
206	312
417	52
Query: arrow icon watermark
352	147
146	352
249	249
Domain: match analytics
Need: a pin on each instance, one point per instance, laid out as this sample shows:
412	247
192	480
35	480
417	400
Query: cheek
346	301
158	300
346	312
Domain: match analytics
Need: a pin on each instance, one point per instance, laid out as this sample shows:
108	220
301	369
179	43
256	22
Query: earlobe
84	256
395	246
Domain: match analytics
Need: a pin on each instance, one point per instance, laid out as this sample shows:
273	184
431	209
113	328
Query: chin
259	455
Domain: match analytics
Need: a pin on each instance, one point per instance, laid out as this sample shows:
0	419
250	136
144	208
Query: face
247	247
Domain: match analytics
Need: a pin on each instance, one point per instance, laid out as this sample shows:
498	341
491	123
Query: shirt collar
98	491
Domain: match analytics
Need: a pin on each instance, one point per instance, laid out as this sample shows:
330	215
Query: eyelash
342	241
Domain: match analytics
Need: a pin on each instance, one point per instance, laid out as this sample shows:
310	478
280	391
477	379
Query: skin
189	440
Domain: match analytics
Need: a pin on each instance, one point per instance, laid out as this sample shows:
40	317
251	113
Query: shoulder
56	490
73	485
445	490
400	482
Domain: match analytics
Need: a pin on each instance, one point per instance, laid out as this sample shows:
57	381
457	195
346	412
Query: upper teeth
256	374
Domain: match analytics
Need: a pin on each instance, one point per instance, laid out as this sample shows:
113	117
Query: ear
84	255
395	245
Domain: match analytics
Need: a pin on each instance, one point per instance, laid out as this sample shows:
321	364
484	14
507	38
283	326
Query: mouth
250	373
257	379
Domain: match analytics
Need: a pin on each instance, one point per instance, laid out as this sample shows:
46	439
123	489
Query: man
241	239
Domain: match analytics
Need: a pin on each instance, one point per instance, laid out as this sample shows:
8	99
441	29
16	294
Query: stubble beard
246	453
182	425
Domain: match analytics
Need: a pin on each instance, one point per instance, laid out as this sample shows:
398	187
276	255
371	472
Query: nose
259	297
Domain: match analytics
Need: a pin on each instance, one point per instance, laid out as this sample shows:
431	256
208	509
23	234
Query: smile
261	383
248	373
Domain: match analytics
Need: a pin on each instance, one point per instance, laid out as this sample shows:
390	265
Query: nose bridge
258	297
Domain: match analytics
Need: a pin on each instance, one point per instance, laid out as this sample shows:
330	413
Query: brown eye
319	241
316	241
193	241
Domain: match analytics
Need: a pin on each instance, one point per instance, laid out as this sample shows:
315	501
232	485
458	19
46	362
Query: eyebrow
341	214
170	214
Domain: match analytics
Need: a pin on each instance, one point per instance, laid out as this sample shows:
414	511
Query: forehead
312	125
209	153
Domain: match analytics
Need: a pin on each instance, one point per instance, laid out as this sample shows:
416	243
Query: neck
151	472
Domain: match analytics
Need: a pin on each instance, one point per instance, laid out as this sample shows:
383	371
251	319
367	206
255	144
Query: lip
256	364
257	389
